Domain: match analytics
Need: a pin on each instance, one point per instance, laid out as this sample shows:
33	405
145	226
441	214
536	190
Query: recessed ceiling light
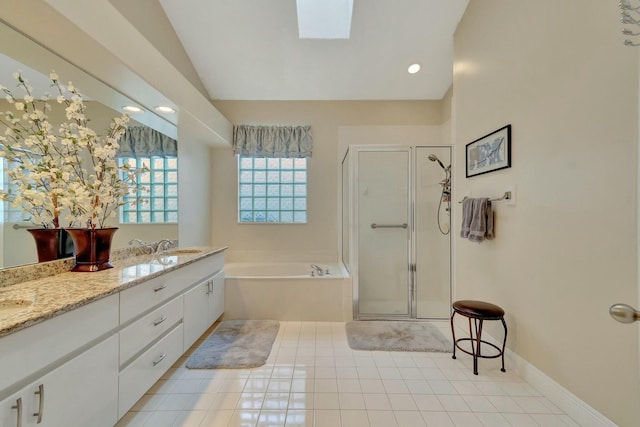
413	68
165	109
132	109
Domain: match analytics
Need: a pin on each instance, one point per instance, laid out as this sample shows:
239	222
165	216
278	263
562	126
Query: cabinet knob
40	412
18	408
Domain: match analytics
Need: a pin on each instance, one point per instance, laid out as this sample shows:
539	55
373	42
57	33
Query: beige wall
558	72
319	237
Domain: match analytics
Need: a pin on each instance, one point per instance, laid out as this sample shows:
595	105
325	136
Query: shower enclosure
396	216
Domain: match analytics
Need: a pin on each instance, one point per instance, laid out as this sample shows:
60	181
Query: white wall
319	238
558	72
194	176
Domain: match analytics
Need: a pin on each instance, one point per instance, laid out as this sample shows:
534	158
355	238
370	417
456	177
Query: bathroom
563	253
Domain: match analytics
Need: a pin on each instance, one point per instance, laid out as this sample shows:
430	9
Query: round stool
479	311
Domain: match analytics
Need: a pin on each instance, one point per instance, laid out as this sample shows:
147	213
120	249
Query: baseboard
571	404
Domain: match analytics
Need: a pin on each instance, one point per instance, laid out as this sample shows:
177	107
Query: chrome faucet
138	241
148	247
164	243
317	269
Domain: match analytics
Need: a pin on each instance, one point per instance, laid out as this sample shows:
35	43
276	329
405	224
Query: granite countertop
57	294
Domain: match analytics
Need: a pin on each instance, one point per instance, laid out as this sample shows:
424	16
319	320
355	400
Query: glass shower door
383	204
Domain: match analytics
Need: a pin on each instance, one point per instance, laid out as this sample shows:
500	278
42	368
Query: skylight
324	19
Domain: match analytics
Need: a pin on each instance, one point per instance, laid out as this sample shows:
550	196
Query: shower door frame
350	159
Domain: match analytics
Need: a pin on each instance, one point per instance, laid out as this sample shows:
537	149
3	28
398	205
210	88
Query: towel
477	219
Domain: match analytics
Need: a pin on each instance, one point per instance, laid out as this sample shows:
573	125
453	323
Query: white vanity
89	345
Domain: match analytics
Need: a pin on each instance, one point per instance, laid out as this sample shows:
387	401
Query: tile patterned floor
313	378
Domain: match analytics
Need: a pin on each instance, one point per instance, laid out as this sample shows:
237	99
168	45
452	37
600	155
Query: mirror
19	53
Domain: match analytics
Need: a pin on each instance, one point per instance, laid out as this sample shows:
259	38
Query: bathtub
287	291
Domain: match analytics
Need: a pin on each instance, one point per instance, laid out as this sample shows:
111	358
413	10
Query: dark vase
92	248
47	242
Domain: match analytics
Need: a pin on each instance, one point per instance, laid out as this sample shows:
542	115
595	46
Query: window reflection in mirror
16	244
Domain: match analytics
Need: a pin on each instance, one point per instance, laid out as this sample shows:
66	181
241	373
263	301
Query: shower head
435	158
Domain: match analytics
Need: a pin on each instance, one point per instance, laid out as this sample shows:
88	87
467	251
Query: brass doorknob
624	313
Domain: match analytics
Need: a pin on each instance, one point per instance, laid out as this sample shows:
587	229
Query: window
156	200
272	190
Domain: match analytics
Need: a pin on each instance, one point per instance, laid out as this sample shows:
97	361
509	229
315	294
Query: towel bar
505	196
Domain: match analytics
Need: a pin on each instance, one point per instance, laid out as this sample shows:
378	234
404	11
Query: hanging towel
477	219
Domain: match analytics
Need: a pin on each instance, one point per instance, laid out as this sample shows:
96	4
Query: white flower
19	106
28	98
53	76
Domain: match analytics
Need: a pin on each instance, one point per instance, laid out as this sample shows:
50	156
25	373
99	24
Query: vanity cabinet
88	366
81	392
203	305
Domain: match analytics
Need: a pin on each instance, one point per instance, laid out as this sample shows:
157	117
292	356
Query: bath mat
236	344
397	336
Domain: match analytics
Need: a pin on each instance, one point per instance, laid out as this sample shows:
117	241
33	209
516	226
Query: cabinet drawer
138	377
139	299
144	331
27	351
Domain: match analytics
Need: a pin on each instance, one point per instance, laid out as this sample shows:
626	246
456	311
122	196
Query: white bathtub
287	291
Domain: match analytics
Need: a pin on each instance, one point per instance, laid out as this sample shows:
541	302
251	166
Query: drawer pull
18	408
164	356
159	288
160	320
40	412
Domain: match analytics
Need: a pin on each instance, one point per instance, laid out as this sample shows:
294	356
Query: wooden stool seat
479	311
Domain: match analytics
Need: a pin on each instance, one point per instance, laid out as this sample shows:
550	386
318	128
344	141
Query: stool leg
473	348
504	343
453	333
478	352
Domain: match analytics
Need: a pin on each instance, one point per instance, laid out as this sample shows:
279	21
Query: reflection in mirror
153	221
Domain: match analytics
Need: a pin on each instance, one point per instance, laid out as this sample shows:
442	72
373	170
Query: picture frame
490	153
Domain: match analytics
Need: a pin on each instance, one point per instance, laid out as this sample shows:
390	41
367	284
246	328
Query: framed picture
490	153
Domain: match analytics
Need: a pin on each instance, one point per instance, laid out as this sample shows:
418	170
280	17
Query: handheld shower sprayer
435	158
446	191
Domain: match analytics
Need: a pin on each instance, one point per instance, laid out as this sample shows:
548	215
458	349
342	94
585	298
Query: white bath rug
378	335
236	344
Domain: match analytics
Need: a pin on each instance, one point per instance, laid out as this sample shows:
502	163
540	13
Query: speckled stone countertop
57	294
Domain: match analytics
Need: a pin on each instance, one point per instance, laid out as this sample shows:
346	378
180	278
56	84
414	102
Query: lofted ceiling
250	50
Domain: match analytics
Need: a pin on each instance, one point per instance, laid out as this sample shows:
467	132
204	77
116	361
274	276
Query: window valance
272	141
142	141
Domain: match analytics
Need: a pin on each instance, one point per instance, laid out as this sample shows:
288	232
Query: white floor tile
440	419
382	419
327	418
402	402
354	418
313	378
409	418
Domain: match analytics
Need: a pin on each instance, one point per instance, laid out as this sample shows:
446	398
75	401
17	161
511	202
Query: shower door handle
374	225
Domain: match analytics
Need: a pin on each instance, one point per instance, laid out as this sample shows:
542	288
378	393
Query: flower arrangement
70	172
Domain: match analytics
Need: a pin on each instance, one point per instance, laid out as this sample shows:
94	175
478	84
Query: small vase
47	242
92	248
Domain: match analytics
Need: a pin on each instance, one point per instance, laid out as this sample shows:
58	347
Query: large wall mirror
19	53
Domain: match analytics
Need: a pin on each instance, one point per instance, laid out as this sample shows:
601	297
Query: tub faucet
317	269
138	241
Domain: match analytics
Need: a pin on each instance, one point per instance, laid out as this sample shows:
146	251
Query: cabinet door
216	298
196	307
82	392
13	407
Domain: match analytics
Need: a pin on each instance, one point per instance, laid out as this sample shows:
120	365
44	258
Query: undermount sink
12	306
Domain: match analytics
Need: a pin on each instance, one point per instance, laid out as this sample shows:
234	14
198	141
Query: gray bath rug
236	344
397	336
